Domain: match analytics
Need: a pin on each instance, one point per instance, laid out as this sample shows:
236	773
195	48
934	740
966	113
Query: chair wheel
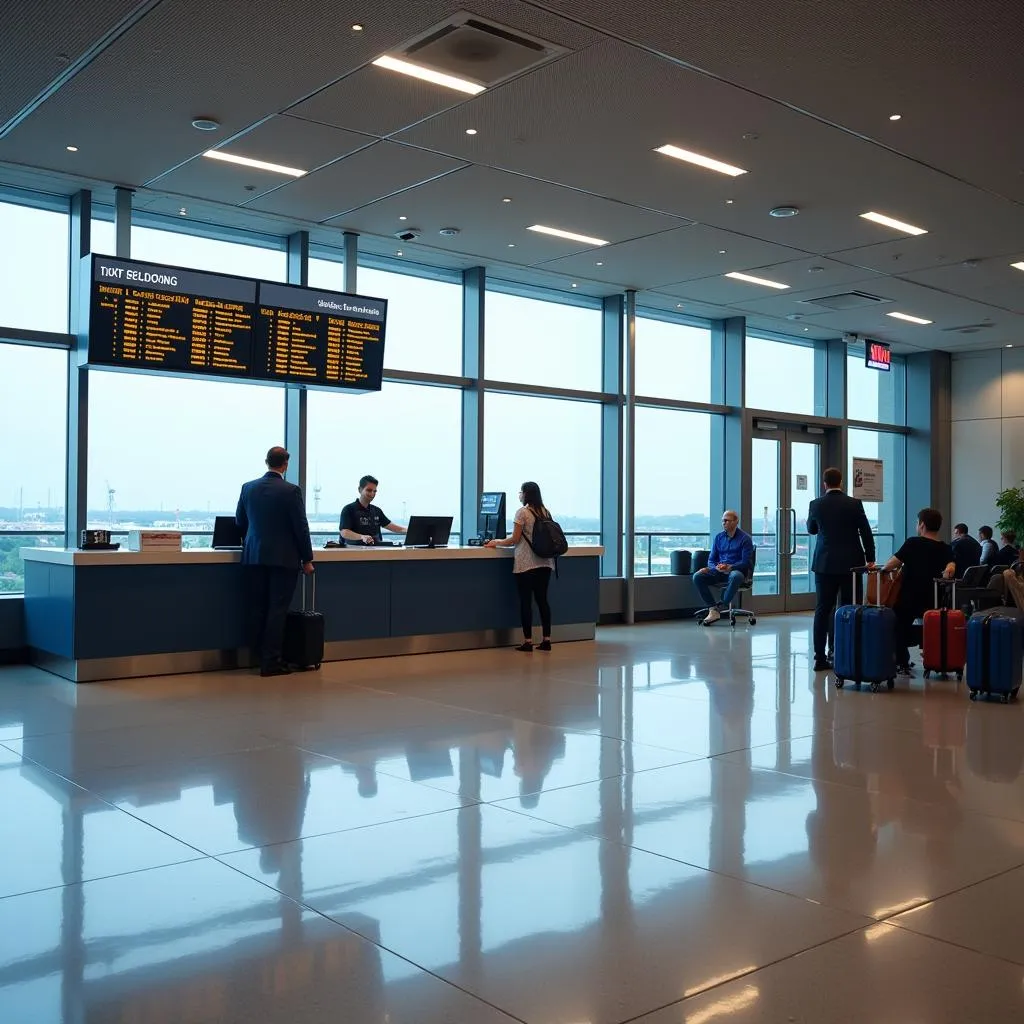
959	677
840	683
753	621
891	684
732	622
927	673
1005	699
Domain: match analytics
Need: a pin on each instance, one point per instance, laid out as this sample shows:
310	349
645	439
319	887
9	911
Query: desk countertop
204	556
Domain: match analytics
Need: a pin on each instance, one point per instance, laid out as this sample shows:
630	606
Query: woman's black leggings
534	585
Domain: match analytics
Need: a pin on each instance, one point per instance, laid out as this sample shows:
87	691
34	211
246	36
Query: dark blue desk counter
92	615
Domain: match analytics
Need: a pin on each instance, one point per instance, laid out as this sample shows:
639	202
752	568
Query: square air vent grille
471	47
845	300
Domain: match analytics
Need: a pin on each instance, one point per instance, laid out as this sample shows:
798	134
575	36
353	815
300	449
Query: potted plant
1010	503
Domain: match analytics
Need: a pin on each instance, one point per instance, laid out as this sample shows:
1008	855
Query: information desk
92	615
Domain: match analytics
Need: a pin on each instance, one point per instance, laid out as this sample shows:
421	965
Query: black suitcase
304	634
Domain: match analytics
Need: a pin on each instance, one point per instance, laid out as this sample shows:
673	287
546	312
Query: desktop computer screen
491	515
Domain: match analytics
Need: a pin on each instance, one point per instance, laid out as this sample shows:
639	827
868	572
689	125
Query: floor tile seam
747	974
949	942
199	856
697	867
365	938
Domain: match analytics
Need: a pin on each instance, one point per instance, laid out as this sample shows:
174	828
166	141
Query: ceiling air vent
969	328
845	300
470	47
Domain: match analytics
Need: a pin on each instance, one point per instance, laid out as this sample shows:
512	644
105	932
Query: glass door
785	474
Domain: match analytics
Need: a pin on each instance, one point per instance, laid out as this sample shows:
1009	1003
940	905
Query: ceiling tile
993	281
380	170
471	200
281	140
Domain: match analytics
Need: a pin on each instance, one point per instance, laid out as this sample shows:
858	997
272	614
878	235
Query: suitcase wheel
974	694
316	667
732	622
875	687
891	684
1014	692
960	677
840	682
927	673
753	621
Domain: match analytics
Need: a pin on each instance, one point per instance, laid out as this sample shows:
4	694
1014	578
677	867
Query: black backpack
548	539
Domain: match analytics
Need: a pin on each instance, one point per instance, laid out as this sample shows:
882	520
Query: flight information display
150	317
305	336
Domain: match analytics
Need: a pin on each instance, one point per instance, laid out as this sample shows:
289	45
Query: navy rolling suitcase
304	634
995	653
865	644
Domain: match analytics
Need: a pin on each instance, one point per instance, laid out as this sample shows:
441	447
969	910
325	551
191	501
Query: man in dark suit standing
844	543
272	516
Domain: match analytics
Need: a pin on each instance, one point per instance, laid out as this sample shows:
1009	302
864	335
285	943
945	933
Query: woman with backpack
532	572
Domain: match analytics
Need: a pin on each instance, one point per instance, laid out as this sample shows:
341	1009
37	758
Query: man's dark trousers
271	590
829	586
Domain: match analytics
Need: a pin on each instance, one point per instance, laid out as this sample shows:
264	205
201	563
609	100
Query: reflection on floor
669	824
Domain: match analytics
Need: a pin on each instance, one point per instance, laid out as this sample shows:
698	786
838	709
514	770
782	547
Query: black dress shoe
275	670
822	665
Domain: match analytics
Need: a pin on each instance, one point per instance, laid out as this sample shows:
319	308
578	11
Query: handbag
889	583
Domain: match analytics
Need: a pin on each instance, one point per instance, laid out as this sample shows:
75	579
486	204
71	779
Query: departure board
149	317
325	339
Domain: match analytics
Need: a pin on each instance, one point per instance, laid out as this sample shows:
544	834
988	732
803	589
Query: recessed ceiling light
1018	266
910	319
722	252
71	149
700	160
679	305
259	165
511	245
571	235
891	222
1009	346
895	117
205	124
471	131
403	217
357	27
729	202
783	211
183	212
398	252
736	276
807	328
404	67
599	263
507	199
575	285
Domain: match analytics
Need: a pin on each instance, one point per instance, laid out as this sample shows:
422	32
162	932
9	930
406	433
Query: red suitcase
944	638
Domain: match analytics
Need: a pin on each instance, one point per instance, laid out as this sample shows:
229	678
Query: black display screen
150	317
305	336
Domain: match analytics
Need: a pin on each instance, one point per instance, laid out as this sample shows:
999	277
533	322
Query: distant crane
110	503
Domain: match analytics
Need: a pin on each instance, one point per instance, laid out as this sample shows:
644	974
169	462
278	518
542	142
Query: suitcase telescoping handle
312	604
866	571
942	581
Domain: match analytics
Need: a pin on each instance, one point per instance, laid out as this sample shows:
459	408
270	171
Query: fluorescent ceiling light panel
541	229
404	67
910	319
736	276
891	222
1018	266
259	165
700	160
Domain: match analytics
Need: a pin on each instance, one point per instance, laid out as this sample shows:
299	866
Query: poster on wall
867	479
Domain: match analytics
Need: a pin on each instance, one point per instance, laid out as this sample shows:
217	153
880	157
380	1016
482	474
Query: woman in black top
923	559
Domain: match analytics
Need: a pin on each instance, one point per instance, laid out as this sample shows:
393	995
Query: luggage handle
952	598
312	603
867	570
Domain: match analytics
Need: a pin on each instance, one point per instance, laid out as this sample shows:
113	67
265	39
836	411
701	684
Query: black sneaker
527	646
822	665
275	670
544	645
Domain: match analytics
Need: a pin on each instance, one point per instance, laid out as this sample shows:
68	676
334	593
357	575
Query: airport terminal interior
665	260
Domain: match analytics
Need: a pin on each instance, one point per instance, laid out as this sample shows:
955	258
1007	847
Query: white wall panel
977	388
1013	382
977	469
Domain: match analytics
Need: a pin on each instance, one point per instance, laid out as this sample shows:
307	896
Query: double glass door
785	475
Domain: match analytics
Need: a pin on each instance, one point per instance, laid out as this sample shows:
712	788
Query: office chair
736	609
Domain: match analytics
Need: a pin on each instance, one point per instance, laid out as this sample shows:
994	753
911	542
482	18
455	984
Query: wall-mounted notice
867	479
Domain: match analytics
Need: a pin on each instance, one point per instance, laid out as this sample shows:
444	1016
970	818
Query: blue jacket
272	516
737	552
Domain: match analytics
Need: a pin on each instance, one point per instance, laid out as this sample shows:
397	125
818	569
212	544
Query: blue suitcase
995	653
865	645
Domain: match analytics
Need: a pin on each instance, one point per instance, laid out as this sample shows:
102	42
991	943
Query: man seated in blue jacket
730	563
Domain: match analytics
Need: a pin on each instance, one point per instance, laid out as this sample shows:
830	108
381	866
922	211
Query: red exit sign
878	356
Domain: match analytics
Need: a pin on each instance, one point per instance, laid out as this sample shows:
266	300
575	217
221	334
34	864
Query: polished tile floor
669	826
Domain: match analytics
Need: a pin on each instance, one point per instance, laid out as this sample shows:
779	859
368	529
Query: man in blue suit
272	516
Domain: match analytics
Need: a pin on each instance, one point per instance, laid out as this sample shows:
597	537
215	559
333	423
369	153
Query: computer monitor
492	515
428	531
226	533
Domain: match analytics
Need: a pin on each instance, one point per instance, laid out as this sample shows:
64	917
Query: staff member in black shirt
362	521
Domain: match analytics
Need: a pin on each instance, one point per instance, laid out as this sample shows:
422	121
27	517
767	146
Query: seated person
361	521
730	563
1009	552
923	559
989	548
966	550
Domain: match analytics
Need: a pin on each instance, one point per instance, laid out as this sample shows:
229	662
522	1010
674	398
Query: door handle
778	530
792	534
